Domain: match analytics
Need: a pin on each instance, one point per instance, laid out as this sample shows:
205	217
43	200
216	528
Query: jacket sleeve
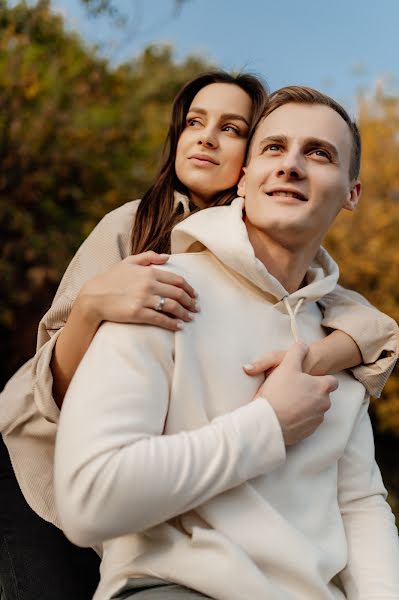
376	335
105	246
115	473
372	569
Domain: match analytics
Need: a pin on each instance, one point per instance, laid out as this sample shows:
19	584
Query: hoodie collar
221	230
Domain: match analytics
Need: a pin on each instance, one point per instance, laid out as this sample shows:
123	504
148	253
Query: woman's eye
193	122
231	129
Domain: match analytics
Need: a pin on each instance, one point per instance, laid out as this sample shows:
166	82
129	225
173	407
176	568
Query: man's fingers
330	382
265	363
295	356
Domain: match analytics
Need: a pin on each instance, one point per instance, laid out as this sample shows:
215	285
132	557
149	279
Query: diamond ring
161	304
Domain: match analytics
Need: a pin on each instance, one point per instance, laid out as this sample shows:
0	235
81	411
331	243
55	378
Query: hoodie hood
222	231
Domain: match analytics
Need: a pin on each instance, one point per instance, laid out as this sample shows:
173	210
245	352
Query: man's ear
353	196
242	184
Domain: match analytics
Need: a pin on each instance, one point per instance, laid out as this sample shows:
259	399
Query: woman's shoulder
112	233
120	218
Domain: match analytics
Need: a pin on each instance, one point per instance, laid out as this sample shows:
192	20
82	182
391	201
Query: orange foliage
366	244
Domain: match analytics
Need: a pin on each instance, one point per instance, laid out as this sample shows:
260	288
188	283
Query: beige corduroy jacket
28	413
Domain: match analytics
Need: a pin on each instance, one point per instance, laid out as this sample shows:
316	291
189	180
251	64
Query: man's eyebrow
320	143
273	139
224	116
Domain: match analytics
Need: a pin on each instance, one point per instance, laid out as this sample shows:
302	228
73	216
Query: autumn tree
366	246
77	138
366	243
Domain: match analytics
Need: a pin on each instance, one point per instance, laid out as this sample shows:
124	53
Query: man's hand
336	352
266	363
299	400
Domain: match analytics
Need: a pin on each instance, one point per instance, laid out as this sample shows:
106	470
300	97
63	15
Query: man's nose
291	166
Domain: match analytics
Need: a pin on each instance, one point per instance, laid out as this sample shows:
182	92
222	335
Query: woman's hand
131	291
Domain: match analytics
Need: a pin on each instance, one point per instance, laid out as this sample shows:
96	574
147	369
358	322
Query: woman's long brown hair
156	215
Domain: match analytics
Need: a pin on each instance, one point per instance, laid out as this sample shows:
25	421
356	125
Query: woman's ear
353	196
241	184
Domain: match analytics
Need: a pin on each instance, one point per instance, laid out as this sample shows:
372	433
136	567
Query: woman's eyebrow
232	116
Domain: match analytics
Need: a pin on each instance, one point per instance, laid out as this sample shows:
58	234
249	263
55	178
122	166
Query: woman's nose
208	138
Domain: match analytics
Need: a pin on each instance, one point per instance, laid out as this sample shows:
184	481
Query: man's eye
271	148
320	153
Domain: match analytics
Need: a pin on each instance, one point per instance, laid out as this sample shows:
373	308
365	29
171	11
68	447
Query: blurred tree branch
95	8
129	21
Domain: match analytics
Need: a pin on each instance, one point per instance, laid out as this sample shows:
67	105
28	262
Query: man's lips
287	193
203	158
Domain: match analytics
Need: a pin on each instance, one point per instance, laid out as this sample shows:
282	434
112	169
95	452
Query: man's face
297	179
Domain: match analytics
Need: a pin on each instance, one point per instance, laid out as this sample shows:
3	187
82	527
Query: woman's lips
203	160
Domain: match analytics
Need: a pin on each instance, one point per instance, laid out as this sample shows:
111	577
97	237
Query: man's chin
289	233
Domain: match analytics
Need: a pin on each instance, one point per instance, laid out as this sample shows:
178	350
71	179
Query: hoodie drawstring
292	313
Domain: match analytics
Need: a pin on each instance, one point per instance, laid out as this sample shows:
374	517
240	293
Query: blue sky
337	46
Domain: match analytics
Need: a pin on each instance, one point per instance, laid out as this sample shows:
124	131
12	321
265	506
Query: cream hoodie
28	414
161	443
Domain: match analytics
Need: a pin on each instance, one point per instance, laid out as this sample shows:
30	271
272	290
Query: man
160	450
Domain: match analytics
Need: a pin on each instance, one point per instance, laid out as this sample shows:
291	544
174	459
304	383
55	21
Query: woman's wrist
314	363
336	352
87	309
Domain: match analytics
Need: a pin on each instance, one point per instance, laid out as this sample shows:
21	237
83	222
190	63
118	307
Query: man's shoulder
190	262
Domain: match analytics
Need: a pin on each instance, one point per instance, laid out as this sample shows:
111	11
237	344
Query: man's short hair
297	94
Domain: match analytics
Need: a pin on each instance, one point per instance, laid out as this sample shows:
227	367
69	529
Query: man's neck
288	264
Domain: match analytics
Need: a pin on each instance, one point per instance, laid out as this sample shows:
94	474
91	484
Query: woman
206	149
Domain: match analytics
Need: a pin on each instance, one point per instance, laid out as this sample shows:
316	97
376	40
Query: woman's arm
363	339
126	293
334	353
376	335
102	278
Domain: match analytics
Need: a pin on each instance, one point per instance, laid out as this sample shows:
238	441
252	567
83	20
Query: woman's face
211	148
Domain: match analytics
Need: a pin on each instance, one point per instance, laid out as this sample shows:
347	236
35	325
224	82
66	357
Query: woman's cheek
235	165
